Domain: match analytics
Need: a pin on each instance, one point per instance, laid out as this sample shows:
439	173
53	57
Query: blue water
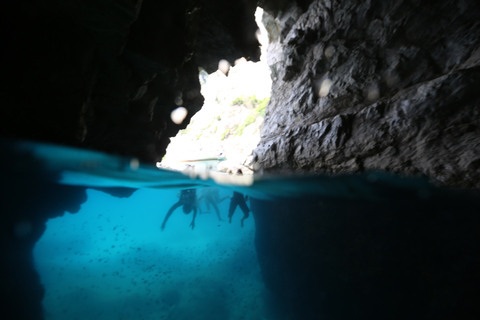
111	260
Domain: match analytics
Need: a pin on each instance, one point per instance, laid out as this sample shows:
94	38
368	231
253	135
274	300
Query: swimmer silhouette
211	196
188	199
238	200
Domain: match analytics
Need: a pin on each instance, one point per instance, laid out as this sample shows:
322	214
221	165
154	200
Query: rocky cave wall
403	97
374	85
96	74
370	85
106	74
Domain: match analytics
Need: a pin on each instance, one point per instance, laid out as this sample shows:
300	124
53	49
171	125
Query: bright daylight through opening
228	126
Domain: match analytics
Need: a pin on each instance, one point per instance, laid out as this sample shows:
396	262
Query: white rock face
230	121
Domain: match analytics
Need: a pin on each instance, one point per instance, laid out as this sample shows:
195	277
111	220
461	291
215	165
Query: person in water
211	196
238	199
188	202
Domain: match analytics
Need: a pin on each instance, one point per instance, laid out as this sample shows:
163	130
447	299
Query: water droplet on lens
373	93
134	164
329	51
325	88
178	115
224	66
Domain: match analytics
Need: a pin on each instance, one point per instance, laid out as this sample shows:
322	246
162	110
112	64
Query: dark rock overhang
106	74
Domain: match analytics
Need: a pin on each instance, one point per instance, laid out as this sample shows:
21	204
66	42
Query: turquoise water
111	260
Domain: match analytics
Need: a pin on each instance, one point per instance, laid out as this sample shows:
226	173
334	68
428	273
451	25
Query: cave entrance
228	125
112	261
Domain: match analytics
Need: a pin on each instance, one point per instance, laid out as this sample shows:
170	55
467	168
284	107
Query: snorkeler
238	200
188	201
211	197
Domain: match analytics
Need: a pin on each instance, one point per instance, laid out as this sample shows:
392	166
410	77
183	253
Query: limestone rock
375	85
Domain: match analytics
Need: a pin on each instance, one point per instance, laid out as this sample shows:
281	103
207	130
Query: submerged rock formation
29	198
382	85
413	252
372	85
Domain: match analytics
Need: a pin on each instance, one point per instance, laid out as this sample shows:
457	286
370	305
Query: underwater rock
26	207
413	251
29	198
374	85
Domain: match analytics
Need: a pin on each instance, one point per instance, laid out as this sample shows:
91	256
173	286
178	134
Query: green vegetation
262	105
186	130
249	102
258	110
225	134
237	101
209	125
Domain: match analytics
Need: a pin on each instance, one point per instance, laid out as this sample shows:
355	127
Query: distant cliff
230	121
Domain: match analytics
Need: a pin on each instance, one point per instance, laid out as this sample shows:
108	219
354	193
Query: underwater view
111	260
147	243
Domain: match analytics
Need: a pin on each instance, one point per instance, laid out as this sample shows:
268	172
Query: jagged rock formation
106	74
97	74
374	85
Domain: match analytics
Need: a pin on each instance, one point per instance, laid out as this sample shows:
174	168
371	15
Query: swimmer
188	202
238	199
211	196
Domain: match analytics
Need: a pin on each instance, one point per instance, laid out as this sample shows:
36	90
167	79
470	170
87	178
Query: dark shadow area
412	253
29	198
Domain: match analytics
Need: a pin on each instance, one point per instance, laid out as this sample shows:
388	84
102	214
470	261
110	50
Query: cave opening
229	124
374	102
111	260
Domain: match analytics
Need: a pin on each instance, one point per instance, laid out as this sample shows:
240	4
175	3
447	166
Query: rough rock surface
382	85
106	74
97	74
